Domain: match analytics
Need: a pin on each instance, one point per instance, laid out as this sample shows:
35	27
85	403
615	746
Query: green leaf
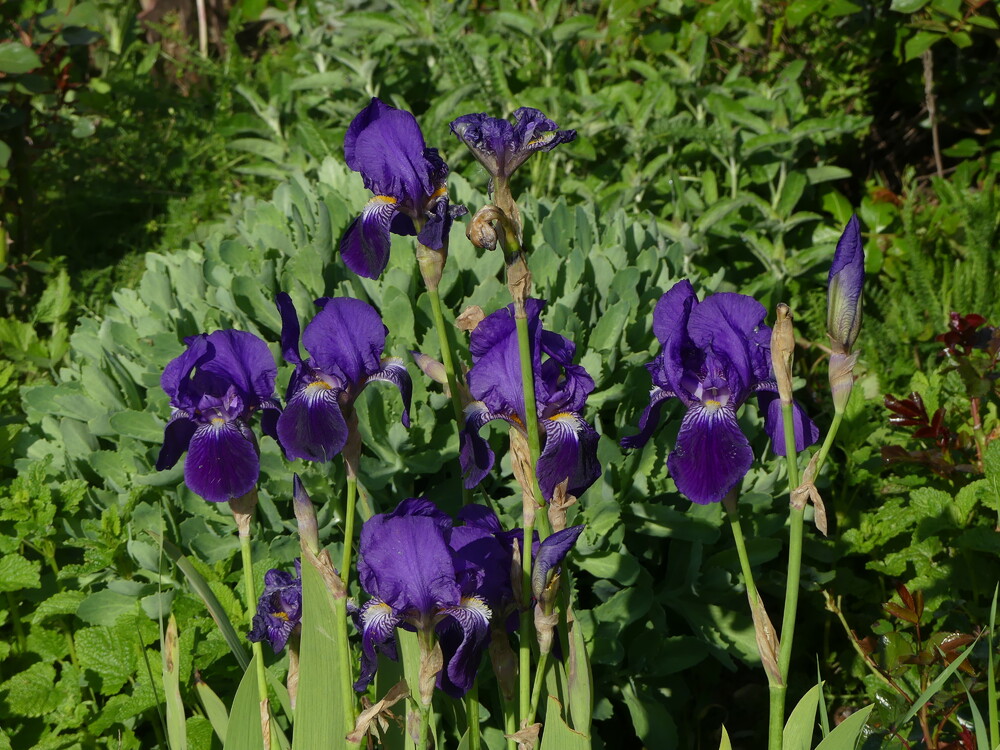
907	6
801	724
18	573
63	603
215	709
558	736
725	744
215	608
101	650
845	736
137	424
936	684
17	58
105	607
919	43
176	724
579	678
30	693
244	720
319	709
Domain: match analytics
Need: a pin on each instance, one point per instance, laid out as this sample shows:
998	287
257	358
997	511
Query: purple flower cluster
426	574
715	355
561	390
279	609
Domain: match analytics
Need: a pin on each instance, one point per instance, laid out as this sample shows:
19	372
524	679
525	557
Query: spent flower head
501	147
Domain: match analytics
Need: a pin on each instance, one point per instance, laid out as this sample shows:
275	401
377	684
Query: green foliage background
724	142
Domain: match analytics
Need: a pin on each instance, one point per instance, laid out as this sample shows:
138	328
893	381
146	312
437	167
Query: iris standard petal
711	455
176	378
570	452
550	555
222	461
394	371
346	339
377	623
482	564
463	637
365	245
806	431
649	420
243	360
176	437
387	148
312	426
405	562
731	325
495	377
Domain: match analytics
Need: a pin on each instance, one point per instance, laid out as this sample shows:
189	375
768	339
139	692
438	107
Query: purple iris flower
426	575
502	147
386	146
346	340
561	390
215	386
847	277
715	355
279	609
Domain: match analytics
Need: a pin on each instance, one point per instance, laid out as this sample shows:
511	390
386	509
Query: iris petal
394	371
365	245
463	637
550	554
346	339
806	431
377	623
312	426
711	455
222	461
649	420
475	455
570	452
176	437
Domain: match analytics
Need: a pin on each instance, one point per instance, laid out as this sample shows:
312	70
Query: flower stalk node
561	501
243	509
526	737
806	492
841	377
431	663
431	264
470	318
545	625
374	718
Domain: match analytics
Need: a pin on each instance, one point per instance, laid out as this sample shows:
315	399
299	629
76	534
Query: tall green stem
447	355
250	587
472	716
349	512
838	417
536	690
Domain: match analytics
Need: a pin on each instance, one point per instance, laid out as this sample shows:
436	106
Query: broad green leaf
244	732
919	43
176	724
801	724
30	693
319	708
138	424
17	58
106	653
557	735
845	736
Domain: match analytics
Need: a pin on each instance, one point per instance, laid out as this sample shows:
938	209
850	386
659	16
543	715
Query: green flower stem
425	720
15	618
509	719
447	354
838	417
472	716
525	632
536	690
349	512
256	648
776	693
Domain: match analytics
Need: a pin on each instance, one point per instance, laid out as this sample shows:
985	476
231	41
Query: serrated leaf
63	603
17	572
101	650
30	693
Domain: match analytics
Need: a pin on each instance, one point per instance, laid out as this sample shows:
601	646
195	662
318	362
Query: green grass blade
176	726
319	715
982	740
937	684
215	609
215	709
801	724
824	710
991	685
725	744
243	731
845	737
